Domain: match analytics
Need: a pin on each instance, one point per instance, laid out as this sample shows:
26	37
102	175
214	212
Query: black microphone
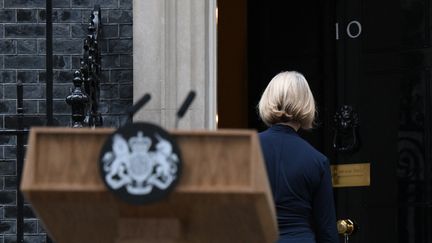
138	105
183	108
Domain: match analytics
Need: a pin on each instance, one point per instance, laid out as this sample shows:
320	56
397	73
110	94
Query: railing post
87	92
78	101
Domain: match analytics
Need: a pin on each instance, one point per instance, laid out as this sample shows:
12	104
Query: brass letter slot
350	175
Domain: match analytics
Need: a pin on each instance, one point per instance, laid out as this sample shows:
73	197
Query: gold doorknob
346	226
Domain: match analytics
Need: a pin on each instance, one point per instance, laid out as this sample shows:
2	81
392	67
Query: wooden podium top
223	194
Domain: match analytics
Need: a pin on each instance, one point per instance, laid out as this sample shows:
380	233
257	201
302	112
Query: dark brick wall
22	58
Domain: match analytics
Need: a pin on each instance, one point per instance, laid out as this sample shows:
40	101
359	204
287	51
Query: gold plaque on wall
350	175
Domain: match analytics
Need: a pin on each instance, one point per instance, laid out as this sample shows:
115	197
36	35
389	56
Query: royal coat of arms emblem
140	163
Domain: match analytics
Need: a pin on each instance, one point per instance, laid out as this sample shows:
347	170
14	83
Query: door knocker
346	122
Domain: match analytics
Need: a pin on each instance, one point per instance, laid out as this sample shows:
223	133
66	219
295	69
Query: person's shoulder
312	152
264	134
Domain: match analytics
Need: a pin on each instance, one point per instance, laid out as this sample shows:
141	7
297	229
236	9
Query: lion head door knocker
346	137
140	163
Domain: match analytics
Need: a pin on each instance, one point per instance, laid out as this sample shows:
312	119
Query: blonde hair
288	98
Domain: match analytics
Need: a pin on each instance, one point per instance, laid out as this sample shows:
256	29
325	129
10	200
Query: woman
299	175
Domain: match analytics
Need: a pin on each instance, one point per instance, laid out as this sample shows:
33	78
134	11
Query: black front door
373	56
368	75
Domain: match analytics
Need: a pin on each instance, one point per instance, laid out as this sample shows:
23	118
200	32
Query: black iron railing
85	113
19	132
84	97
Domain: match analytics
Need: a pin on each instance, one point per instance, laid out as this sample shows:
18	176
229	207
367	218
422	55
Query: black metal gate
84	101
21	133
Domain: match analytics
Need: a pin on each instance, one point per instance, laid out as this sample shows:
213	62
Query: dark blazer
301	184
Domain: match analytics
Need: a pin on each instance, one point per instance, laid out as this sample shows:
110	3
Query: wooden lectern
223	195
